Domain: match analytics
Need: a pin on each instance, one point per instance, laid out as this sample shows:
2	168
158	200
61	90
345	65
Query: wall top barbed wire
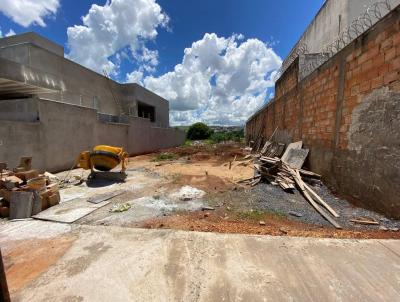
358	26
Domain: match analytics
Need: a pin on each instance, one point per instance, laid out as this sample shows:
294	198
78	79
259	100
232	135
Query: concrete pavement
124	264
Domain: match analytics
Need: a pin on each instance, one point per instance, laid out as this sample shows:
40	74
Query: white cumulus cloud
27	12
10	33
135	77
220	80
117	25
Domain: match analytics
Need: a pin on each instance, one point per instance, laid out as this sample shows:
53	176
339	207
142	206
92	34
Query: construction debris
24	192
120	207
365	221
286	172
205	208
295	214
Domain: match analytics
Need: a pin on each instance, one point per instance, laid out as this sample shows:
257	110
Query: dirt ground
25	260
263	209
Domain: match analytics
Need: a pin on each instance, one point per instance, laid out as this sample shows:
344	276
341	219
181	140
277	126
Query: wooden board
296	145
364	221
321	201
300	183
296	157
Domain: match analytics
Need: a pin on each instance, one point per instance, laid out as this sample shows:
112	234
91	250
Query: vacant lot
236	208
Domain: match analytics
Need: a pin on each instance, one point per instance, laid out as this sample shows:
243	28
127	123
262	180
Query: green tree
199	131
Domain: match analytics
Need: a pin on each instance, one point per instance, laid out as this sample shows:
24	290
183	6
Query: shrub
199	131
235	136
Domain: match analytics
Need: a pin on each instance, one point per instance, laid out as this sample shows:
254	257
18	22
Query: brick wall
348	113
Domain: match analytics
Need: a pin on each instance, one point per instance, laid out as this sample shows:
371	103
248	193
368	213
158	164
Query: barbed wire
358	26
298	51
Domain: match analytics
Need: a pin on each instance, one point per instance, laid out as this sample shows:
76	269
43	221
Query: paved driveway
103	263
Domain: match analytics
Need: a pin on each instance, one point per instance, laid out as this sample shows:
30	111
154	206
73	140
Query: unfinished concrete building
52	108
340	95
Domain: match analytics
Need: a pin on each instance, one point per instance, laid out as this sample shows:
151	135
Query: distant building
56	106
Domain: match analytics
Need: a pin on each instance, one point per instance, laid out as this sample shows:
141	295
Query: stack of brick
24	192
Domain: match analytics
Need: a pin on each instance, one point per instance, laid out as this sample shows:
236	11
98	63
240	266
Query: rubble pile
282	168
25	192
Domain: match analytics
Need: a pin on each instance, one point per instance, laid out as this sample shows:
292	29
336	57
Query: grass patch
251	215
164	156
187	143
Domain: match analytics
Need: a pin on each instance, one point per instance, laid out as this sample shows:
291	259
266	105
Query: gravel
294	206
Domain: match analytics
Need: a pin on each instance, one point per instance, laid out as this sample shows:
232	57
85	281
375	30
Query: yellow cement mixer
103	158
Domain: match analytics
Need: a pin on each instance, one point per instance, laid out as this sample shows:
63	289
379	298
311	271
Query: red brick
355	90
377	82
396	39
391	77
350	57
390	54
383	69
395	64
388	43
367	65
365	86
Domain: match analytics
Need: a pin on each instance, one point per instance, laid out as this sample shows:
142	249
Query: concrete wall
134	93
63	131
347	112
72	83
23	110
332	18
32	38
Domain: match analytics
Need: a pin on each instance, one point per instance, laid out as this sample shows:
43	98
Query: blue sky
148	50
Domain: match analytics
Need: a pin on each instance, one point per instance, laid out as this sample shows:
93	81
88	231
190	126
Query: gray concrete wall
35	39
369	169
325	27
136	93
20	139
27	76
78	85
23	110
75	84
63	131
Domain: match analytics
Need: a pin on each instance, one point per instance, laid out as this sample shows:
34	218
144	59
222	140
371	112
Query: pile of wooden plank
24	191
286	172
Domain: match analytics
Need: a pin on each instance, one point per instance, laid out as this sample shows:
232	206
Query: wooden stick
273	134
320	201
368	222
248	179
255	182
297	178
309	173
